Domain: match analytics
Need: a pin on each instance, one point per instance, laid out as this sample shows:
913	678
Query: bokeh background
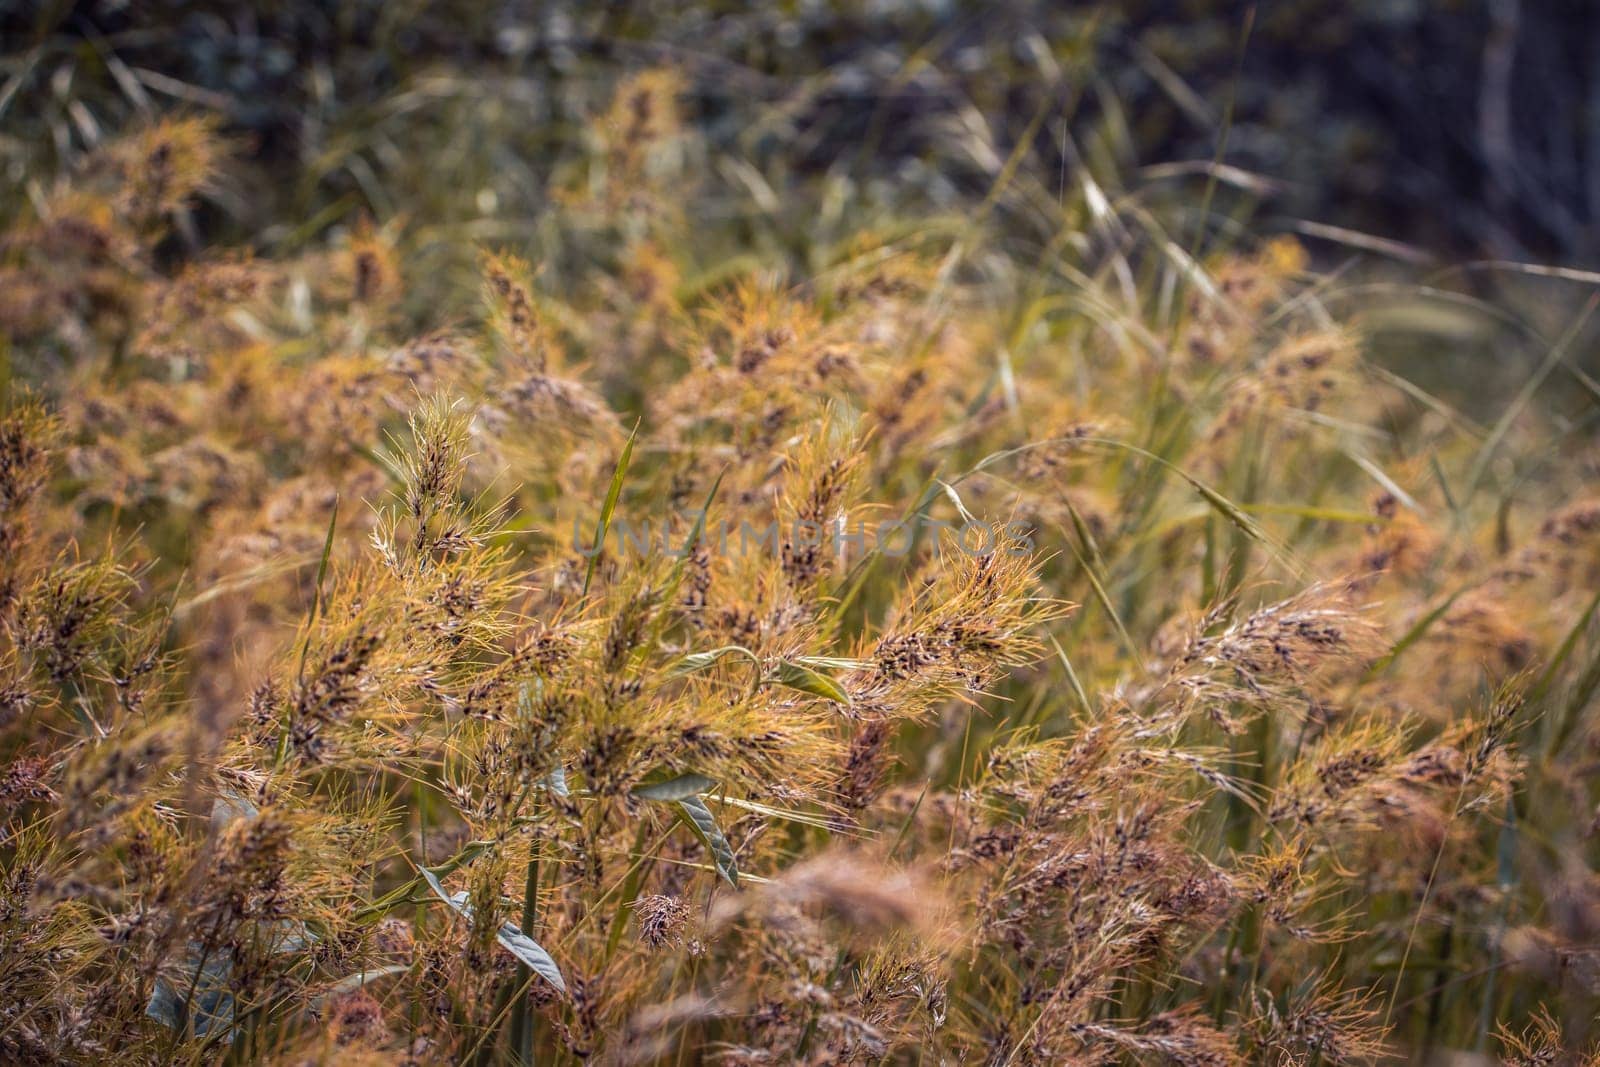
1465	127
1447	147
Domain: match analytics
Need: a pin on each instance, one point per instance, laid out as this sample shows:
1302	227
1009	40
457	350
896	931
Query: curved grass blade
1583	690
681	565
1093	565
696	532
318	594
1230	511
1553	359
834	663
1072	678
802	818
1563	652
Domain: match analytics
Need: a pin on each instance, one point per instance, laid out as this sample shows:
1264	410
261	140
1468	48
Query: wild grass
340	721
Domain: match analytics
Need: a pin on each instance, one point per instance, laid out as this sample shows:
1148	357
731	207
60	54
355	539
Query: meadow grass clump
1104	662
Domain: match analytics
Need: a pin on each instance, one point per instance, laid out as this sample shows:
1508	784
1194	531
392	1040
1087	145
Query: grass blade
609	507
1552	359
1563	653
1412	636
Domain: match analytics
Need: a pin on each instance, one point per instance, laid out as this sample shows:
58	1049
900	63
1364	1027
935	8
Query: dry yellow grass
1102	665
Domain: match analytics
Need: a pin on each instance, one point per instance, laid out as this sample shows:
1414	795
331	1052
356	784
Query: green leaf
510	937
806	680
696	532
1317	514
531	953
681	566
1230	511
1092	563
703	824
1506	847
202	996
1583	691
695	662
682	787
318	594
1072	678
322	564
1553	359
439	890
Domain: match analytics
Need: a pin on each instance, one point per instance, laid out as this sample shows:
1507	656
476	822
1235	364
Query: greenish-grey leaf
510	936
531	953
228	808
1412	636
807	680
439	890
203	981
682	787
698	818
351	982
699	661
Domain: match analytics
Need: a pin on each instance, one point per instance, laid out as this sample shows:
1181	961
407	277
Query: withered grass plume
1060	666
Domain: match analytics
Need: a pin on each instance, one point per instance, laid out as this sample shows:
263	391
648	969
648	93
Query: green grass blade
1563	652
1411	636
1072	677
609	507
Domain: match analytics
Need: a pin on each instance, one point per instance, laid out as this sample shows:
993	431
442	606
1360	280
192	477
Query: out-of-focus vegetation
1264	732
1466	127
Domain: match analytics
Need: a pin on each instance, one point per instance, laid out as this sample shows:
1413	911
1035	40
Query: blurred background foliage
1379	131
1465	126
